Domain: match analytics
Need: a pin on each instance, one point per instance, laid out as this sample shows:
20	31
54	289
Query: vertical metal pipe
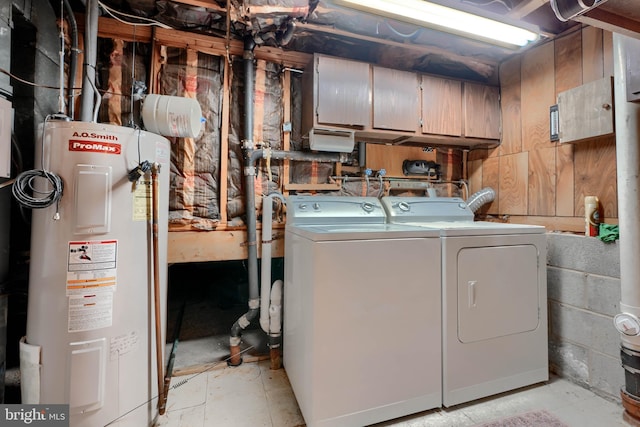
90	59
250	169
73	61
155	214
250	207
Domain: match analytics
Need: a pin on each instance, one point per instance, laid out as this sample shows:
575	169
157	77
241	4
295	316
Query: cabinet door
481	111
396	100
586	111
343	92
441	106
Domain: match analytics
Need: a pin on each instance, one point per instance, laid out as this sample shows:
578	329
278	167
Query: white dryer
362	337
494	298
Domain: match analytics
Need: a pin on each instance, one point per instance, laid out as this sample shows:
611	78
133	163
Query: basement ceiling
320	26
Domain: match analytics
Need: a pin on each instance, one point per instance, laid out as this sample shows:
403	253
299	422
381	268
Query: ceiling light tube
439	17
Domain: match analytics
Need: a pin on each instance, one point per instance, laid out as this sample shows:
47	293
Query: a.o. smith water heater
90	322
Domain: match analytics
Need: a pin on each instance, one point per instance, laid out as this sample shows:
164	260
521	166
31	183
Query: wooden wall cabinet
586	112
441	106
396	100
386	105
481	111
341	94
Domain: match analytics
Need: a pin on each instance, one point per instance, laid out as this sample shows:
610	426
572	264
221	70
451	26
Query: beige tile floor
252	395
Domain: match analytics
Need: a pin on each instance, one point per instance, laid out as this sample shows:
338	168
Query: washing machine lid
334	232
426	209
479	228
333	210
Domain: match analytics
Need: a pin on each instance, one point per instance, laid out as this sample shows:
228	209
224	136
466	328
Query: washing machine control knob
404	206
462	205
302	206
316	206
367	207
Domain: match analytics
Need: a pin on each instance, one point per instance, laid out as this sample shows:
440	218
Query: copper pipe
155	203
276	360
234	359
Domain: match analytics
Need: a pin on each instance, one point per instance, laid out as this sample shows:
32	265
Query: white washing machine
494	298
362	337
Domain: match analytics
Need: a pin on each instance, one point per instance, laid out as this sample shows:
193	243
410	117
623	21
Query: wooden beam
312	187
112	29
611	22
218	46
224	245
483	68
207	4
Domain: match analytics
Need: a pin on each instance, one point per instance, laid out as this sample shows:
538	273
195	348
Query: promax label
94	147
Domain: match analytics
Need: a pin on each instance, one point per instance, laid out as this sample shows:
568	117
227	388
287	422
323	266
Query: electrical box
6	122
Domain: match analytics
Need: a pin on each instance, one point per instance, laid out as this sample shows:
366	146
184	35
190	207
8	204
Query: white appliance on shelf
362	341
494	298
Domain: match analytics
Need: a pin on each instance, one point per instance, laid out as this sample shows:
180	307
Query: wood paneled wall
536	180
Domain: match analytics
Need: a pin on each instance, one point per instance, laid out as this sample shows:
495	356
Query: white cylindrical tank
91	308
172	115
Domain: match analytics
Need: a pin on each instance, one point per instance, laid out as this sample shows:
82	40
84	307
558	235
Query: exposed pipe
270	296
87	111
627	124
155	213
265	278
249	173
297	156
275	324
481	198
251	156
73	59
286	36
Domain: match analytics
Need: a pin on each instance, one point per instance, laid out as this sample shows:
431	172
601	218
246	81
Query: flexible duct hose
480	198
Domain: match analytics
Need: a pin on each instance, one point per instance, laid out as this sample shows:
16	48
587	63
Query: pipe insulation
481	198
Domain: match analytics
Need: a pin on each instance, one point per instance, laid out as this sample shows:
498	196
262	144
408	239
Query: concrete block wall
583	285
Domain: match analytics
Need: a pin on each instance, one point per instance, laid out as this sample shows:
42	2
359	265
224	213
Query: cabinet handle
606	106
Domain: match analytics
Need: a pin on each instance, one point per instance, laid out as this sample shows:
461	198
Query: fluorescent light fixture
439	17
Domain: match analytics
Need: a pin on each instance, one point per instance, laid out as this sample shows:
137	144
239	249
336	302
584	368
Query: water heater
90	318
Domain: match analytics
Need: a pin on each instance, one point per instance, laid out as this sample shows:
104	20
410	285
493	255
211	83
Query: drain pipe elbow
236	332
481	198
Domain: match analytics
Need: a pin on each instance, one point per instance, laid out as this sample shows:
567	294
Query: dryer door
497	291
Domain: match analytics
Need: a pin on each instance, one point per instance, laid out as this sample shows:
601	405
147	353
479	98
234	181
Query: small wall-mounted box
586	112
